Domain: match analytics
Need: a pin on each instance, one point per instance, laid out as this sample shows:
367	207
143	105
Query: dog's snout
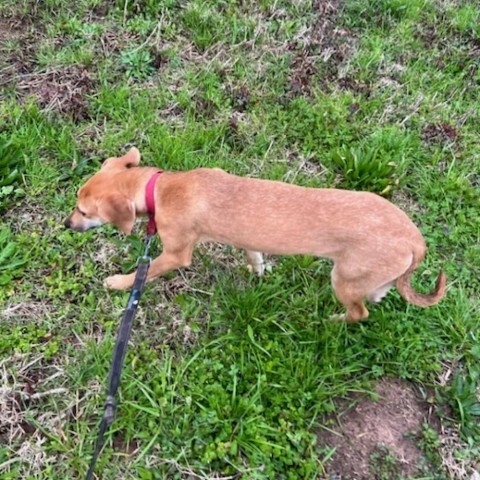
68	223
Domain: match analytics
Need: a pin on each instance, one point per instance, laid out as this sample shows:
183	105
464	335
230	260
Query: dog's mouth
84	224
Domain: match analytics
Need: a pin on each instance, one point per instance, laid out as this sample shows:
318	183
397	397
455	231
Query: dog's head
101	200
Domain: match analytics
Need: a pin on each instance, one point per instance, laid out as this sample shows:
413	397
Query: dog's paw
118	282
338	317
256	268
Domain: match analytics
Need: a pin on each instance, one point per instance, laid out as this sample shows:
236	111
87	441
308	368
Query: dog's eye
81	212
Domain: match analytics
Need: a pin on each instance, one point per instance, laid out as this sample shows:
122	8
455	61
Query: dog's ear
117	210
130	159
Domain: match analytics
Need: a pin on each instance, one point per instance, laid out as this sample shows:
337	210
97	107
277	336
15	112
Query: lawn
228	375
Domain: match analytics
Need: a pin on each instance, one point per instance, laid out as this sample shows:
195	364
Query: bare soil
16	61
321	51
9	29
441	132
374	429
63	90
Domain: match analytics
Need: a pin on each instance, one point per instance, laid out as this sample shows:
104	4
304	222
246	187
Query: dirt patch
320	50
11	413
439	133
13	28
28	217
239	97
7	30
64	90
303	69
375	438
300	164
407	202
120	444
18	40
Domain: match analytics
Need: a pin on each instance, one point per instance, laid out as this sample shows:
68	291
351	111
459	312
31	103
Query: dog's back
279	218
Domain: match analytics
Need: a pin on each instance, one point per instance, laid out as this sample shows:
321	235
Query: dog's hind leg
360	275
356	309
351	294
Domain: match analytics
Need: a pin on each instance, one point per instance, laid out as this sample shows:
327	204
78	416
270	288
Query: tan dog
373	244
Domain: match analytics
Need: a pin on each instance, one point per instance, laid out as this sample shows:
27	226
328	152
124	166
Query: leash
119	351
123	334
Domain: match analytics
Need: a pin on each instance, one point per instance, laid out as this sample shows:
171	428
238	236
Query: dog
372	243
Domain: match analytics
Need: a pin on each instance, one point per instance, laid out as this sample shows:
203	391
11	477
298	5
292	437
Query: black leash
119	351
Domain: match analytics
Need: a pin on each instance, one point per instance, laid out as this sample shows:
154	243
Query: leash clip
110	407
143	259
146	258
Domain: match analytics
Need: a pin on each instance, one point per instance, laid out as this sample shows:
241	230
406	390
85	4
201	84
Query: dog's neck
134	187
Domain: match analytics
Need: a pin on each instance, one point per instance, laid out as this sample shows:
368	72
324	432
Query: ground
228	375
370	428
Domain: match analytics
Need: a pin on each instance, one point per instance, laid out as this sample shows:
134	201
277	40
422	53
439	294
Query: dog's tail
421	300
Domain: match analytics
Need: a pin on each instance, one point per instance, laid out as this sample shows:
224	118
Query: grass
228	375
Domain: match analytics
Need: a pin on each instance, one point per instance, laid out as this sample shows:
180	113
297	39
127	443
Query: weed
203	23
464	399
430	443
365	169
137	63
466	19
11	258
383	464
11	167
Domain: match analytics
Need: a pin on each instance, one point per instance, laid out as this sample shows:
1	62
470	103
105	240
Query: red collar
150	202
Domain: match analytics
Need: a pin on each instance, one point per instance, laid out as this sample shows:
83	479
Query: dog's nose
68	223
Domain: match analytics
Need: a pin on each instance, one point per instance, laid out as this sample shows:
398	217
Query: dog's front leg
119	282
255	263
166	262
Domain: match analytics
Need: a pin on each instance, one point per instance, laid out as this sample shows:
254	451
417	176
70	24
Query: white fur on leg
378	294
338	317
255	263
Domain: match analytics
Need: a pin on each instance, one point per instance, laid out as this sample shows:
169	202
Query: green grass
227	374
